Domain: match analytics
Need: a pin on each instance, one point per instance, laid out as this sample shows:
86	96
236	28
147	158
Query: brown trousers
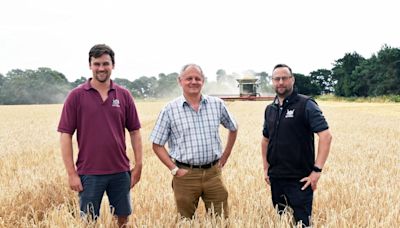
204	183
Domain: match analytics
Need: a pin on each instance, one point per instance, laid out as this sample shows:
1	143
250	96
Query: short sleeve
132	117
68	120
265	130
315	117
227	119
162	129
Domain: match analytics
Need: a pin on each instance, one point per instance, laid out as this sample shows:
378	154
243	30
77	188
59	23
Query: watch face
174	171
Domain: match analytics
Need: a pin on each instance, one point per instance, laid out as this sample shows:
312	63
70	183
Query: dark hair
283	65
192	65
100	49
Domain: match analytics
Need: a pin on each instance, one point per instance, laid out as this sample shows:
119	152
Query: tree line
351	76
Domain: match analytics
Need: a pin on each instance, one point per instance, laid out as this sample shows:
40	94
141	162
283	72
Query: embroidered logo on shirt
115	103
289	113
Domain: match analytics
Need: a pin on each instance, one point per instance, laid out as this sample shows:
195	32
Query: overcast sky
154	36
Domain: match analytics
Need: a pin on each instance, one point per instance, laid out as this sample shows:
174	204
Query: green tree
41	86
2	79
264	82
127	85
322	79
167	85
304	86
341	73
51	82
145	86
378	75
387	81
124	83
363	77
78	82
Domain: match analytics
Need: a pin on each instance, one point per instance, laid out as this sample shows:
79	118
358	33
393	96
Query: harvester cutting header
248	90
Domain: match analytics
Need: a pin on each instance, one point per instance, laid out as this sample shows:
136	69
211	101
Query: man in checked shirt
195	158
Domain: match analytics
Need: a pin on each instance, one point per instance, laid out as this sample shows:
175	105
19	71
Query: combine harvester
248	92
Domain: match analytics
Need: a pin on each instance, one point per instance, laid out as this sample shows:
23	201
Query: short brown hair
100	49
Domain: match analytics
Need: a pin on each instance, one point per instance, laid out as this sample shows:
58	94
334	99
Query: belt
206	166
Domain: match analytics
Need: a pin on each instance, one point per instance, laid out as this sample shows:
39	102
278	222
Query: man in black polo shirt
287	146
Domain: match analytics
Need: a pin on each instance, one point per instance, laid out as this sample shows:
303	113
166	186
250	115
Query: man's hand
266	177
136	173
181	172
312	180
75	182
222	161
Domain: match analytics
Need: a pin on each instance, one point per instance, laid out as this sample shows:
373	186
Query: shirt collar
287	100
88	86
182	100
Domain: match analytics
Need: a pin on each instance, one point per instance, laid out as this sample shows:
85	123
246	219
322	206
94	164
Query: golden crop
359	186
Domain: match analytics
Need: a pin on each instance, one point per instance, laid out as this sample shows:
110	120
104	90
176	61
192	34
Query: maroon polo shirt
100	127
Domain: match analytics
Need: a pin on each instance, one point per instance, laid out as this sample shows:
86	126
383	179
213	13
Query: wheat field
358	187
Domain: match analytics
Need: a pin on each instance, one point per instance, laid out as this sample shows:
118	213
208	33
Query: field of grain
359	186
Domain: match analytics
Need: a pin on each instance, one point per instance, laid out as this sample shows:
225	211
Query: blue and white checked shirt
193	137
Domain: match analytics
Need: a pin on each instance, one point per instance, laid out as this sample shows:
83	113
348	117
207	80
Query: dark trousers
287	192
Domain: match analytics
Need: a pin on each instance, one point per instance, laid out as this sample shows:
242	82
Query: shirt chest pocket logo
289	113
115	103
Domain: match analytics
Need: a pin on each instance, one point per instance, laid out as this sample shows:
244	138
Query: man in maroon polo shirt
100	110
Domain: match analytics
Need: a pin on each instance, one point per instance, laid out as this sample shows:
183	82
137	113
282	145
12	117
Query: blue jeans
117	187
287	192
